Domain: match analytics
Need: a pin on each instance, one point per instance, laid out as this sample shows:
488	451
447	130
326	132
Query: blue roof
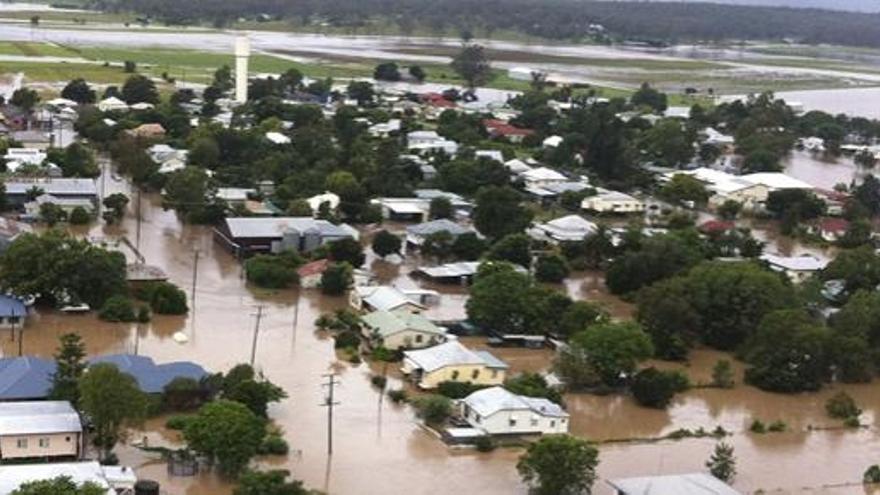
151	377
25	377
11	306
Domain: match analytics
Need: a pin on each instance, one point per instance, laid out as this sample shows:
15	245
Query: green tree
722	463
668	316
859	268
438	245
299	208
532	385
684	188
513	248
241	384
551	268
273	271
51	214
387	71
361	91
139	89
578	316
788	353
440	207
417	73
118	308
129	67
729	209
115	205
504	300
498	212
69	368
385	243
79	216
336	279
646	96
471	64
559	464
62	485
614	349
722	374
468	247
187	192
113	401
761	160
670	143
227	432
659	257
268	483
25	99
168	299
347	250
434	409
78	90
842	406
654	388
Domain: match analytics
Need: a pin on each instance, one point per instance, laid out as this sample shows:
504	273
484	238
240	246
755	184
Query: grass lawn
34	49
60	72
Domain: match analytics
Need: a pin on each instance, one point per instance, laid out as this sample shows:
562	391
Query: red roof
313	268
502	128
716	226
838	225
436	100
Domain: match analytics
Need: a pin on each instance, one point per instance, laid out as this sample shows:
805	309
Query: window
418	339
14	319
477	418
534	422
21	443
552	424
66	439
512	422
44	443
494	373
475	374
455	375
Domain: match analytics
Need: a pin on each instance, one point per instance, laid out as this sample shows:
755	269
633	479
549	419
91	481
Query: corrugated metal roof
384	298
439	225
151	377
25	377
12	477
55	187
451	353
387	323
38	417
261	228
675	484
490	400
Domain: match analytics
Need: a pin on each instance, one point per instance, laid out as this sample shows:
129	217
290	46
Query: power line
329	403
259	316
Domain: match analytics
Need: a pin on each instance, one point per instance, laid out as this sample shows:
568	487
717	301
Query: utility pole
137	338
137	239
329	403
195	276
12	322
20	340
259	316
295	316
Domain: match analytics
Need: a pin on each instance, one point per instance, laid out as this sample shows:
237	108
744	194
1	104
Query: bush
177	422
485	443
457	390
777	426
118	309
384	354
722	374
842	406
336	279
183	394
434	409
532	385
379	381
272	272
398	396
872	474
758	426
551	268
167	299
654	388
347	339
274	444
79	216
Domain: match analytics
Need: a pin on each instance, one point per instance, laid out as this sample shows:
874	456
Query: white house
813	144
277	138
750	190
497	411
26	156
116	480
416	235
797	268
552	141
716	138
401	329
384	298
542	176
427	141
384	129
490	154
613	202
40	429
112	104
517	166
672	484
316	201
569	228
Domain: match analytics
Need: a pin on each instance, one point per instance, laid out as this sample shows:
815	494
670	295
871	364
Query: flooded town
342	250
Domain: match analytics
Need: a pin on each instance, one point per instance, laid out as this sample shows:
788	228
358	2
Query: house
310	273
571	228
25	378
277	138
385	129
235	196
385	298
316	201
516	166
417	234
33	139
40	429
552	142
751	191
63	188
116	480
716	227
461	272
490	154
403	209
26	156
426	141
10	230
501	129
112	104
683	113
400	329
797	268
672	484
715	138
147	131
831	229
452	361
542	176
248	235
459	204
812	144
152	377
32	208
13	312
497	411
606	201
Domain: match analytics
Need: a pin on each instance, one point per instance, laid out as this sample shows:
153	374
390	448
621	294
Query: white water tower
242	52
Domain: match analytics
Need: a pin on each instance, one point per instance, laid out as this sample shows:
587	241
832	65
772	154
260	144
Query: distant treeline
554	19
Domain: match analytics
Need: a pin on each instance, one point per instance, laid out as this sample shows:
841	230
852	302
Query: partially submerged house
116	480
416	235
152	377
570	228
388	298
40	429
19	191
452	361
796	268
498	411
606	201
310	274
672	484
25	378
401	329
250	235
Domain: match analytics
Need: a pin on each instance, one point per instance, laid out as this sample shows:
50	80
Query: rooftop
38	417
25	377
152	377
387	323
675	484
384	297
805	263
440	225
55	187
451	353
490	400
12	477
253	227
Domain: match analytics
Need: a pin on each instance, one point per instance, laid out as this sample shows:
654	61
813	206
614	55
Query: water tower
242	52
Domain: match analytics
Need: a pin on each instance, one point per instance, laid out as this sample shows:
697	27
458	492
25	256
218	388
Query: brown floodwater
379	448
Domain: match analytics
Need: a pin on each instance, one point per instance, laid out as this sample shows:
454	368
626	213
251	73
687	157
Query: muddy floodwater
378	446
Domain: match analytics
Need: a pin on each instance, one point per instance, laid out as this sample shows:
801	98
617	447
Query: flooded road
378	446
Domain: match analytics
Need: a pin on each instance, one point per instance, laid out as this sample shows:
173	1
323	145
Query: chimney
242	52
